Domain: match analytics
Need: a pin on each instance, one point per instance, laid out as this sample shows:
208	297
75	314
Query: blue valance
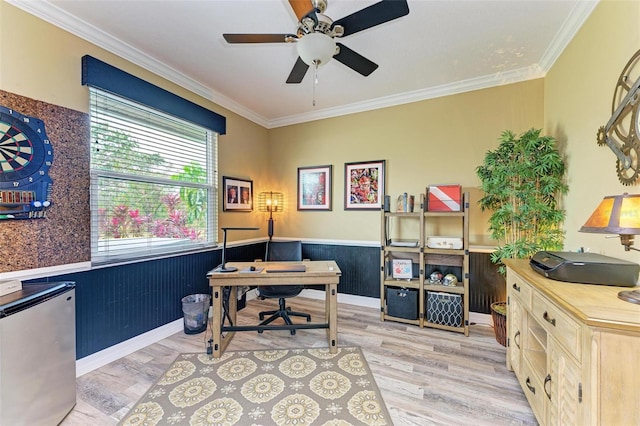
103	76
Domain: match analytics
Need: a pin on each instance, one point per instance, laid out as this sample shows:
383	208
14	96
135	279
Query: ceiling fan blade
298	72
354	60
301	7
376	14
256	38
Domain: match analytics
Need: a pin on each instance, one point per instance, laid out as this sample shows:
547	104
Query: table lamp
618	214
223	267
272	202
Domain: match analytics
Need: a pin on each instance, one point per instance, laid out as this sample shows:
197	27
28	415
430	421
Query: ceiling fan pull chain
315	80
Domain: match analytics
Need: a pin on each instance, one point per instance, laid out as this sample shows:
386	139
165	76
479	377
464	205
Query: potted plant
522	181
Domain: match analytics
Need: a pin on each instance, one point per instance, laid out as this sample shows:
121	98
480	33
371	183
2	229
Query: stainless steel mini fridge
37	354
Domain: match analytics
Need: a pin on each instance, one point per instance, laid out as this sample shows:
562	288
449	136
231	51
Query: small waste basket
195	308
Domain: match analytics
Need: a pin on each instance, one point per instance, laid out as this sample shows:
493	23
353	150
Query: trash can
195	308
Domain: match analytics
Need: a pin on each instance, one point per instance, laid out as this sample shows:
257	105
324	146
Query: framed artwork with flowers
364	185
314	188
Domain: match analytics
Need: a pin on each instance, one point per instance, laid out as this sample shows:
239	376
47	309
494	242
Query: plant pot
499	316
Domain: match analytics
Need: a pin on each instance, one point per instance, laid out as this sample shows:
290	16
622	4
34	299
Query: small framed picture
314	188
401	269
237	194
364	185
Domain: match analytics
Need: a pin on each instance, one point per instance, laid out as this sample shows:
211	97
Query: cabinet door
563	387
514	334
617	378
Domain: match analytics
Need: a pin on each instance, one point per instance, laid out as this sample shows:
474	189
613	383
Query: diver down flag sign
444	198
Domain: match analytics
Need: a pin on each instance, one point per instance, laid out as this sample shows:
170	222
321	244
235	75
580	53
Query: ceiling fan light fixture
316	49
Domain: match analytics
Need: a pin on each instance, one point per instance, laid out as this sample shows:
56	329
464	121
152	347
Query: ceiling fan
316	35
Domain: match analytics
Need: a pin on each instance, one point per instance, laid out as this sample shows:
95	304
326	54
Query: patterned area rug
296	387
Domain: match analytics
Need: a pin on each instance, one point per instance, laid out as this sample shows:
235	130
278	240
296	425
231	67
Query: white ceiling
441	47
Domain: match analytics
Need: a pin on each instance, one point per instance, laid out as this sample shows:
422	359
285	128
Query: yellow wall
578	100
435	141
440	140
43	62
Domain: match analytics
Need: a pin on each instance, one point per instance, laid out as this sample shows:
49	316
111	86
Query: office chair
285	251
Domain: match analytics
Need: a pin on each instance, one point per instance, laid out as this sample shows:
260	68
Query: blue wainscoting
117	303
486	285
360	266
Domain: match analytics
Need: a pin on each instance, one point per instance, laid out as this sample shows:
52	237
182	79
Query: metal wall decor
622	131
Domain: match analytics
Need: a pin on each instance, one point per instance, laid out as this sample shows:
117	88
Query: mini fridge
37	354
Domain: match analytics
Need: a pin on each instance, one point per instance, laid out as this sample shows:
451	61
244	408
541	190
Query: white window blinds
153	181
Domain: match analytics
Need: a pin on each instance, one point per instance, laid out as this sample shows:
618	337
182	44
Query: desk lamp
618	214
272	202
223	267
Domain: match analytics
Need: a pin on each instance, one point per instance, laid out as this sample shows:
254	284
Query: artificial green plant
522	181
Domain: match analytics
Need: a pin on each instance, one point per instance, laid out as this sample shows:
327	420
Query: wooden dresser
575	349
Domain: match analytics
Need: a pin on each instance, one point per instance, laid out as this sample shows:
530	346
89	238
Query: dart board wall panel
64	236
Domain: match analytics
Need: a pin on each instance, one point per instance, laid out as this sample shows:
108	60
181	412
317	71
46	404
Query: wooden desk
325	272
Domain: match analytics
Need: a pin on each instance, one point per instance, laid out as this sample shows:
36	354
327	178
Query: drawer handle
547	380
516	337
548	319
516	287
531	388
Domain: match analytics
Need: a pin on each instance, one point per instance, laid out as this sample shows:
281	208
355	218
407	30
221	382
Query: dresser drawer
517	287
533	389
564	330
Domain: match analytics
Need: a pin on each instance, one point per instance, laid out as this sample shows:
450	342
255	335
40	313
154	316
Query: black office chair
284	251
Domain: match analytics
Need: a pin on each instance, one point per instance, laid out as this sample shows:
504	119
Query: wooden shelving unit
416	226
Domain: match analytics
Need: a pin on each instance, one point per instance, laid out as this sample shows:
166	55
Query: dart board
26	155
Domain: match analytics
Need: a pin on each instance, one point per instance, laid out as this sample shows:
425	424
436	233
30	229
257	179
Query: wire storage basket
499	316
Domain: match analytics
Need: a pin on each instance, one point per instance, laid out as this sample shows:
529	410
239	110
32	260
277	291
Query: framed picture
237	194
364	185
401	269
314	188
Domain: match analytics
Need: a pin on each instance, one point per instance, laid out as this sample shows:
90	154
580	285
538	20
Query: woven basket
499	322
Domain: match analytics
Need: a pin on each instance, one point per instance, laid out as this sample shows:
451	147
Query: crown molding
581	11
47	11
58	17
463	86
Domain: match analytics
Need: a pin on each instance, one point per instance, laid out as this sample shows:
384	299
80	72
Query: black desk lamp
222	267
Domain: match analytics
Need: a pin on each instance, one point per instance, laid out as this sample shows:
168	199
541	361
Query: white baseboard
374	302
105	356
112	353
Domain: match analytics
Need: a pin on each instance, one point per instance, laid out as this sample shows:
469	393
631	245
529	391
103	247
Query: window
153	181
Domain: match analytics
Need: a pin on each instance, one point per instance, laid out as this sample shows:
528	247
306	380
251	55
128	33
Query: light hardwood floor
426	376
